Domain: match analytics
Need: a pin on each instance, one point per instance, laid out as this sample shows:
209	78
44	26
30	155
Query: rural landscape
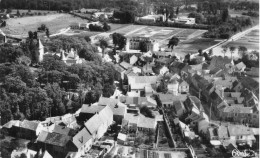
129	78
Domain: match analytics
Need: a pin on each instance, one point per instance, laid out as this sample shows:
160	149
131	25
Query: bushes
99	28
250	13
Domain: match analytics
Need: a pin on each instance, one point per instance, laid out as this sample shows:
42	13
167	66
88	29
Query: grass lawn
55	22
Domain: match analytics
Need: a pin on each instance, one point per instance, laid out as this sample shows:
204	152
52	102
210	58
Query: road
217	50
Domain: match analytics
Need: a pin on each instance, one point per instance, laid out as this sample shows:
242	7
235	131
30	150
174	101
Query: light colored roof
171	97
121	136
93	123
133	60
222	132
32	125
81	138
238	130
12	123
146	122
238	109
125	65
107	101
131	118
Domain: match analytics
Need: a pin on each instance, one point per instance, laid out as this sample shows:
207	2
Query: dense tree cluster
65	5
226	29
95	27
37	93
251	13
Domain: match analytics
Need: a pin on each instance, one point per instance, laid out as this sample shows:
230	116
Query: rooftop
53	138
238	130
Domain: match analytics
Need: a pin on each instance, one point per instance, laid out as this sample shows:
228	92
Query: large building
133	43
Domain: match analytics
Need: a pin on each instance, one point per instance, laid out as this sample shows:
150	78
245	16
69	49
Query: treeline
37	93
65	5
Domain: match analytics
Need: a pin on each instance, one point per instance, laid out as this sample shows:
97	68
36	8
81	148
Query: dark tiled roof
64	130
53	138
91	109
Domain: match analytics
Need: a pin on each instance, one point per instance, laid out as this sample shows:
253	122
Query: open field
55	22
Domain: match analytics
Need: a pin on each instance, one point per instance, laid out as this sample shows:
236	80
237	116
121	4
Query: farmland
55	22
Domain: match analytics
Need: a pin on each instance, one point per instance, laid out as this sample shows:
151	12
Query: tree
143	46
118	40
106	27
174	41
47	33
177	11
87	38
9	10
224	49
242	50
18	13
103	45
146	112
24	60
225	15
232	49
30	35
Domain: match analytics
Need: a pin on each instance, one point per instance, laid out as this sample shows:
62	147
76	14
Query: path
62	31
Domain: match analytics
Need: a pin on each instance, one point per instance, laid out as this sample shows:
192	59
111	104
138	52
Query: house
83	141
250	84
173	87
183	87
61	130
138	101
220	62
150	90
57	144
138	83
241	134
240	67
139	122
125	65
133	43
250	99
118	108
27	129
75	25
147	69
71	57
217	134
83	10
98	124
119	72
164	70
168	100
176	67
133	59
184	20
121	138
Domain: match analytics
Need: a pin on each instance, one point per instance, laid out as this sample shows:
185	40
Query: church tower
40	51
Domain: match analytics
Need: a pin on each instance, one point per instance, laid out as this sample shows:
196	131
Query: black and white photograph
129	78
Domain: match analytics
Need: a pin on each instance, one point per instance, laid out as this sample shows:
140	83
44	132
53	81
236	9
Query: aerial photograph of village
129	78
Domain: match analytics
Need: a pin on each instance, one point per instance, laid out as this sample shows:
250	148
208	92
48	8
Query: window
235	114
248	115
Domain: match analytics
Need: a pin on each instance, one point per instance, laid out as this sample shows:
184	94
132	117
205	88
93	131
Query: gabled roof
249	83
63	130
53	138
81	138
222	132
239	130
107	101
93	123
125	65
118	68
171	97
146	122
238	109
178	105
91	109
219	61
32	125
